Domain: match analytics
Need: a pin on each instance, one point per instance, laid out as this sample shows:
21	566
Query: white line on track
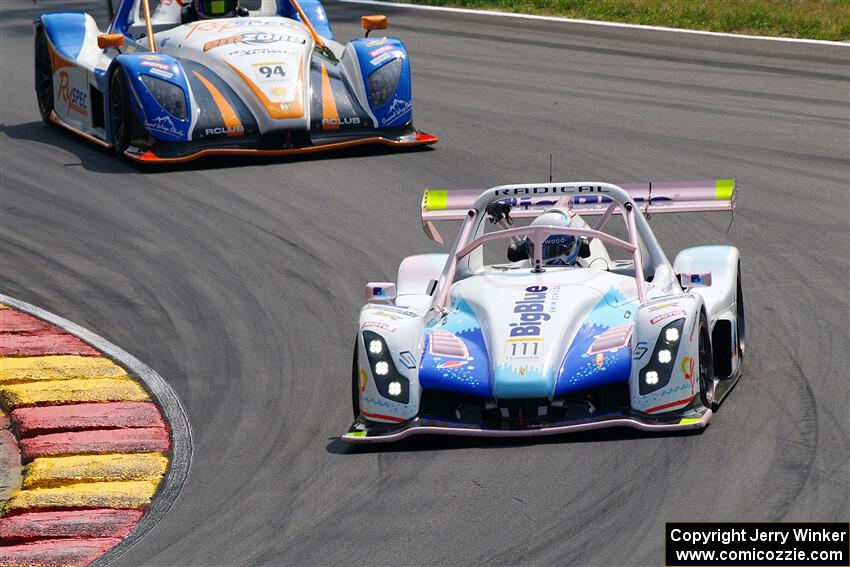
593	22
169	404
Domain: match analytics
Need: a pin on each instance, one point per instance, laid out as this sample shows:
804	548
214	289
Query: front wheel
742	330
355	384
120	113
707	382
43	76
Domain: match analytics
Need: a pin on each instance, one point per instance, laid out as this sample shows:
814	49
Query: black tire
120	113
742	334
43	76
355	384
707	383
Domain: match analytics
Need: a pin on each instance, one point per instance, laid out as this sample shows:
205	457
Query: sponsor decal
393	308
453	364
161	73
376	42
159	69
163	125
661	306
155	64
248	38
640	350
364	379
149	57
379	325
241	23
397	110
337	122
75	98
235	130
407	360
530	310
688	371
667	315
381	58
389	315
600	360
258	51
380	50
552	190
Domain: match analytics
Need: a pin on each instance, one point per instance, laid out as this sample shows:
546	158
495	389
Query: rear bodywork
510	350
264	84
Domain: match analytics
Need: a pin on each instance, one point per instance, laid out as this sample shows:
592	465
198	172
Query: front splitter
369	432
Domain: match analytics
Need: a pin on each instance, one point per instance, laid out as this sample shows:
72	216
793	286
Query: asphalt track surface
240	283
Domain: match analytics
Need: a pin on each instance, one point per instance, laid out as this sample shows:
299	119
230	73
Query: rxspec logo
74	97
552	189
530	310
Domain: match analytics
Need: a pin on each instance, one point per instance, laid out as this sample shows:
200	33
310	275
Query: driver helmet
211	9
558	249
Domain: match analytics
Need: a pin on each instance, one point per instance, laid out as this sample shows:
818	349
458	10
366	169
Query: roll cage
640	242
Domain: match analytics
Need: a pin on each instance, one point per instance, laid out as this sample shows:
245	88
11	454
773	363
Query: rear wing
653	197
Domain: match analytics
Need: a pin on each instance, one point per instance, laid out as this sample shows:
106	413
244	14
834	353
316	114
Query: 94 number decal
270	72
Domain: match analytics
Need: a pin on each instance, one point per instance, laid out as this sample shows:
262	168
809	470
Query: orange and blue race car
171	81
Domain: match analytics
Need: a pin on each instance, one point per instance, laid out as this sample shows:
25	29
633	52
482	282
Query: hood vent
614	338
444	343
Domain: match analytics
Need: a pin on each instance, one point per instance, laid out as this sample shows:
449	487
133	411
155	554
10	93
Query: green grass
813	19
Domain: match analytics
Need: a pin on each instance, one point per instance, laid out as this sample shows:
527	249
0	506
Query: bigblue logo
530	310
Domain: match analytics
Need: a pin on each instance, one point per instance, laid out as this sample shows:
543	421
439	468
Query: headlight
383	82
656	374
390	383
169	96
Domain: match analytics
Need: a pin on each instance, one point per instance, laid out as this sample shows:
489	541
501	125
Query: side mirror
584	249
698	279
380	291
105	40
375	22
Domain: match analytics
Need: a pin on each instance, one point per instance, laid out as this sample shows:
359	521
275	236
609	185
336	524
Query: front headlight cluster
657	373
383	82
169	96
389	382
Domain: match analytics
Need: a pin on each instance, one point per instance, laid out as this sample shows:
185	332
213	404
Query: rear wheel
120	114
43	76
355	384
707	381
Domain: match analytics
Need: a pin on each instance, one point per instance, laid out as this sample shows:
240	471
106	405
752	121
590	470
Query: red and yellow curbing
94	445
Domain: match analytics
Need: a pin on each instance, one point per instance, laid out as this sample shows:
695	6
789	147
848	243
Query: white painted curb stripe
592	22
169	404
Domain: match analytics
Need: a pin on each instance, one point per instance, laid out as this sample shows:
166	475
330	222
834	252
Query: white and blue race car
178	80
580	329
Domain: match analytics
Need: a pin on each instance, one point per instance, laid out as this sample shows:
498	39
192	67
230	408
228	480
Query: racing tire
43	76
355	384
120	114
707	382
740	318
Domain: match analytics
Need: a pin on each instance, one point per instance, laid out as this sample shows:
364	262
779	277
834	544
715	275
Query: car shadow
446	443
90	156
102	160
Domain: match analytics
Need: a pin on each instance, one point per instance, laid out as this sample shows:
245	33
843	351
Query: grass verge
810	19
